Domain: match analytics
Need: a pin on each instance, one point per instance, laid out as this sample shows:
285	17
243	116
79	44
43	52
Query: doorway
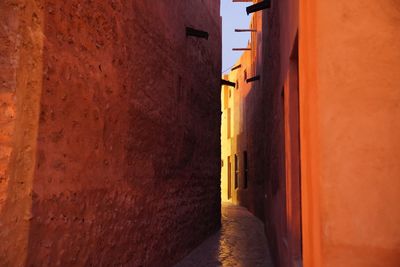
292	160
229	175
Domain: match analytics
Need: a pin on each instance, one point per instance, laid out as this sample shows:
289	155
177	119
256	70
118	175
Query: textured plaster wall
126	169
350	132
8	67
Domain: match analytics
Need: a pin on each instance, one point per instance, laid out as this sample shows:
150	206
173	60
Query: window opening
236	171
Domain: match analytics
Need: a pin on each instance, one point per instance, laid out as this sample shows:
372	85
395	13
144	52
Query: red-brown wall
115	152
21	68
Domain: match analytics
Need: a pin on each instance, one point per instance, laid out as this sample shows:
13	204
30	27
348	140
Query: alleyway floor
241	242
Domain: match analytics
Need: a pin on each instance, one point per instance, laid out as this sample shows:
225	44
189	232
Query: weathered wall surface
21	43
8	104
127	159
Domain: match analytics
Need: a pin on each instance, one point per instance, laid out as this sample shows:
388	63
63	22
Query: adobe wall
251	123
227	184
348	131
126	170
279	34
349	75
21	68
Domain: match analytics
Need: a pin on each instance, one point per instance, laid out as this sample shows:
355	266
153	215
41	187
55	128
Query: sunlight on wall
233	128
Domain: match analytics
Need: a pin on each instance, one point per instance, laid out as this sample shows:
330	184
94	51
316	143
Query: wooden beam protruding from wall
228	83
236	67
258	7
241	49
253	79
245	30
196	33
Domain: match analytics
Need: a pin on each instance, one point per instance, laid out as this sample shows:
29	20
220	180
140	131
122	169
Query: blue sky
233	16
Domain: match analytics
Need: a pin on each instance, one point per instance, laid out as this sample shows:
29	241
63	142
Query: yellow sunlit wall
233	126
237	103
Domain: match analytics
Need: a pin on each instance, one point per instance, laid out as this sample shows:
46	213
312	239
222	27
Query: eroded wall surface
21	68
126	170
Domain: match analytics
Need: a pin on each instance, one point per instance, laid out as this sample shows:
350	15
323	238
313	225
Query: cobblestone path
240	243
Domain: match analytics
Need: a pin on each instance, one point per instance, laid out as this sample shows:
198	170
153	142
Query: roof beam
245	30
196	33
253	79
236	67
258	7
228	83
241	49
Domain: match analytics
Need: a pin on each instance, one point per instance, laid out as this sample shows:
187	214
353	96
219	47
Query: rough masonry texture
109	135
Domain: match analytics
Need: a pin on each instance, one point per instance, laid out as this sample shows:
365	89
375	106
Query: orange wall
350	132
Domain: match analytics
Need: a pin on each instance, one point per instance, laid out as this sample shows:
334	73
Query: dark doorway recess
246	170
292	160
236	171
229	178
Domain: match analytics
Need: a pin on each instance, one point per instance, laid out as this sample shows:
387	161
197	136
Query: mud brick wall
125	132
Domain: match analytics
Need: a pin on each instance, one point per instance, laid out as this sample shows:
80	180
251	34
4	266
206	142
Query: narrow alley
199	133
240	242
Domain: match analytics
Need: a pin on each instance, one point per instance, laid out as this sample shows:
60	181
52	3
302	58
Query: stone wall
126	170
